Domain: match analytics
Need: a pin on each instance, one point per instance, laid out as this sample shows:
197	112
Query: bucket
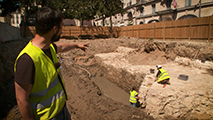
203	60
152	70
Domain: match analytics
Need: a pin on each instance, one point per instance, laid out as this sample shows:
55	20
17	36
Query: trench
111	90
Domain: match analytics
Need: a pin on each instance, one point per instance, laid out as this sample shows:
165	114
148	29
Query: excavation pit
98	83
127	63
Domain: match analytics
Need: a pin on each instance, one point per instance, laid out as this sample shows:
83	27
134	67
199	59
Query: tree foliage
81	9
109	8
8	6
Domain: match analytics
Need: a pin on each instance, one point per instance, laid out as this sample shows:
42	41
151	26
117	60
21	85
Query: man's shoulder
25	56
25	59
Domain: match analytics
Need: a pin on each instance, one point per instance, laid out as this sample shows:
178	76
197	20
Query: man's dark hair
133	88
46	19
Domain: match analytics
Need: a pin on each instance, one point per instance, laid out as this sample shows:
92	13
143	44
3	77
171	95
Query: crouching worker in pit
162	76
133	97
39	86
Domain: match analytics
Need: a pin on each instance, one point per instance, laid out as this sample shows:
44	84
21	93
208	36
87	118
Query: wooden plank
158	33
170	24
199	21
182	32
199	32
170	33
210	28
184	22
159	25
150	33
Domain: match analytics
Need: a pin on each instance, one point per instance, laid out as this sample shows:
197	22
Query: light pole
200	8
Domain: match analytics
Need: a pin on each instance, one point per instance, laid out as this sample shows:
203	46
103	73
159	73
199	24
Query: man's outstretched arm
22	97
64	47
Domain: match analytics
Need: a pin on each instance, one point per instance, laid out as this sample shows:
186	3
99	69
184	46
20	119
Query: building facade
16	19
149	11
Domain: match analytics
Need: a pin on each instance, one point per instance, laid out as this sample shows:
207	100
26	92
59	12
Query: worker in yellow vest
162	76
39	86
133	97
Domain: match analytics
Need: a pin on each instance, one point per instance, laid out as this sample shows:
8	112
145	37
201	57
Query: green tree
81	9
109	8
8	6
31	6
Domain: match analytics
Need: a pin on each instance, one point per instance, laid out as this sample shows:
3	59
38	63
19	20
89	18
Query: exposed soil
91	95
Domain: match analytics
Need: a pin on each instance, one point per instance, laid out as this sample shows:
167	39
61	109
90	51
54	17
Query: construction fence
190	29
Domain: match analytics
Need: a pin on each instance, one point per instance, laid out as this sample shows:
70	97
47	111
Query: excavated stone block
183	77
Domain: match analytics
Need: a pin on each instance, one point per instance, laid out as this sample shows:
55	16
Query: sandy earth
111	90
96	98
197	78
91	95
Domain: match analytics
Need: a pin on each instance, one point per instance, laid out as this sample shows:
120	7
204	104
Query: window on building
116	21
130	15
188	3
141	11
105	22
153	8
122	18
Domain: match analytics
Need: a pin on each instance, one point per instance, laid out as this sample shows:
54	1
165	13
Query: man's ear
55	29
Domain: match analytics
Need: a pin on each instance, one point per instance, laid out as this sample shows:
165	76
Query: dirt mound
8	54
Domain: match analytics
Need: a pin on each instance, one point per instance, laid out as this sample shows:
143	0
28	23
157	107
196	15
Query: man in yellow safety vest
39	86
133	97
162	75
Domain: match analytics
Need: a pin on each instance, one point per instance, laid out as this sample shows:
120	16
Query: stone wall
118	70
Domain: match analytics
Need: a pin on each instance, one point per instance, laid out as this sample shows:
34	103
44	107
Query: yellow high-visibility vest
132	98
47	96
163	75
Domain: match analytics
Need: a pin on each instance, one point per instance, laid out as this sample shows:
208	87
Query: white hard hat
159	66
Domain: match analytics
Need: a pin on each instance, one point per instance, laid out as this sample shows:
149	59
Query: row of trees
78	9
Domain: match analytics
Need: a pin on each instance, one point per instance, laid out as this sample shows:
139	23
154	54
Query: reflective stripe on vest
47	96
164	75
48	101
44	92
132	98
